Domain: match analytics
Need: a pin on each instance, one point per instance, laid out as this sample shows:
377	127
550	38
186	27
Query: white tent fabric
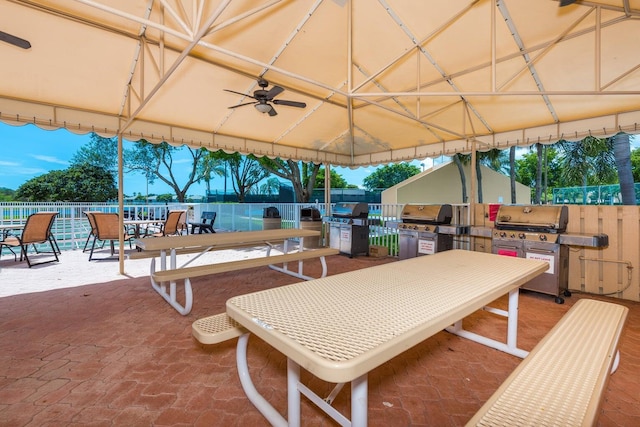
383	81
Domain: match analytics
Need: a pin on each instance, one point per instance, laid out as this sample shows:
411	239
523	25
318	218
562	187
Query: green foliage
155	161
527	171
98	152
337	181
7	194
245	172
270	187
588	162
635	164
390	175
80	183
165	198
302	175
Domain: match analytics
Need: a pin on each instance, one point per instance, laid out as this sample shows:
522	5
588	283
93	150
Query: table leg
512	321
293	394
359	401
254	396
511	346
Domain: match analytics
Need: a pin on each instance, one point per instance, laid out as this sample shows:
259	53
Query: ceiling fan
264	97
16	41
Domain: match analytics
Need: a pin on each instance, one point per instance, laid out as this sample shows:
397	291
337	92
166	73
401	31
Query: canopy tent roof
383	81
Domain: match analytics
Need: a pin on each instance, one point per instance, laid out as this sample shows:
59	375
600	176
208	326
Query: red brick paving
118	354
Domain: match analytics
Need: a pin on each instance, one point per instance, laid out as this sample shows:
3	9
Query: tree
460	160
7	195
79	183
587	162
538	189
337	181
245	172
302	175
493	159
635	164
270	187
156	161
211	165
527	168
390	175
512	173
622	155
100	152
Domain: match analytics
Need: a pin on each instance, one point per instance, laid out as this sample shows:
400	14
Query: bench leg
299	274
171	296
616	362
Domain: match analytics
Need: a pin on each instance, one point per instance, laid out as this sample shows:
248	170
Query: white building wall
442	185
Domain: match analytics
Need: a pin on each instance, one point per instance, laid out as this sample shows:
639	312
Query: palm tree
211	165
622	155
512	172
590	161
270	187
460	160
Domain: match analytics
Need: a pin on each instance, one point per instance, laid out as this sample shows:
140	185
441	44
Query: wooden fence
613	270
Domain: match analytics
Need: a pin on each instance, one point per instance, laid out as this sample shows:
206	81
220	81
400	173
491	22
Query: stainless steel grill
349	228
539	232
418	233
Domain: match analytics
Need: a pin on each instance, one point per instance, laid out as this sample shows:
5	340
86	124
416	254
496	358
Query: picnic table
341	327
164	280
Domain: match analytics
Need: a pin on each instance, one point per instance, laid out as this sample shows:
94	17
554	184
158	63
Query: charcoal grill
349	228
539	232
418	233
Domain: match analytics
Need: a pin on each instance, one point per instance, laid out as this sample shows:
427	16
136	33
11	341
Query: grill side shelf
589	240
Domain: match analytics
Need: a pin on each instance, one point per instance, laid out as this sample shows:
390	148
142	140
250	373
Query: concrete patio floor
108	351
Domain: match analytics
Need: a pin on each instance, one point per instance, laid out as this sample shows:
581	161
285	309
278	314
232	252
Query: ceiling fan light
263	108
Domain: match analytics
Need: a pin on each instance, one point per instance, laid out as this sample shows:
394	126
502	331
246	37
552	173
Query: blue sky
28	151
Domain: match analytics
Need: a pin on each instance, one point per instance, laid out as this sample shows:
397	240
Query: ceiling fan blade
273	112
16	41
246	103
274	91
240	93
289	103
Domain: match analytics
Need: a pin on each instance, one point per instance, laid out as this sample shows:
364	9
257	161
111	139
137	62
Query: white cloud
176	161
9	164
50	159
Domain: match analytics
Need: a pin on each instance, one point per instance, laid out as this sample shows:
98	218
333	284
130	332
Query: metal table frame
341	327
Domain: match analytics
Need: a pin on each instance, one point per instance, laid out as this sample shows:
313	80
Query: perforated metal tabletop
341	327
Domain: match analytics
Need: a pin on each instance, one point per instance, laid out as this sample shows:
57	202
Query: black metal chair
206	223
37	230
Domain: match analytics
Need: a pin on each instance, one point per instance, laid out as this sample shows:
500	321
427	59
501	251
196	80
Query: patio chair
107	230
171	226
37	230
92	224
206	223
183	228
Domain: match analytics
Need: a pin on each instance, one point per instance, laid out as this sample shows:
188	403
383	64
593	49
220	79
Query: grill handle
500	245
527	224
540	251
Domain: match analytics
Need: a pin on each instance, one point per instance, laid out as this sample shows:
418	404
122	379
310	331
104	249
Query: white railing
71	227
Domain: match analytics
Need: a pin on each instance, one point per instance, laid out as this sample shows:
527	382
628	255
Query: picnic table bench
563	379
164	280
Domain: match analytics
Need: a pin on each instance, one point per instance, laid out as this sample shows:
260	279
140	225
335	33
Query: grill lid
351	210
427	214
547	218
